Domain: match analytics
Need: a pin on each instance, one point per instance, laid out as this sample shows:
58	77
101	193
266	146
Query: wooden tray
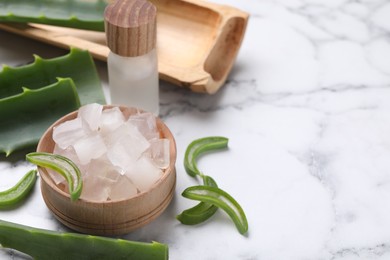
197	41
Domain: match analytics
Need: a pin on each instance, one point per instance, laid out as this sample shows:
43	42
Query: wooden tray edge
200	79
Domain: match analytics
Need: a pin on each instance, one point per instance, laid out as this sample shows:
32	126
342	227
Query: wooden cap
130	27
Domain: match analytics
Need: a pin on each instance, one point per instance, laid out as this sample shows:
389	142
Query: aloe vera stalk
19	192
62	165
203	210
44	244
200	212
24	117
67	13
222	200
198	147
77	65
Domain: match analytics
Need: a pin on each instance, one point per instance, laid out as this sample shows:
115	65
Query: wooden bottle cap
130	27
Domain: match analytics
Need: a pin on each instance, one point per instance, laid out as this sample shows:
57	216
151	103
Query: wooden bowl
110	217
197	41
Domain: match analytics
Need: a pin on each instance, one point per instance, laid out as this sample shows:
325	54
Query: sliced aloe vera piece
81	14
25	117
78	65
19	192
203	210
62	165
200	212
198	147
222	200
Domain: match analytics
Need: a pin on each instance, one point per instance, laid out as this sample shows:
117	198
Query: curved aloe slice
79	14
77	65
17	193
222	200
198	147
200	212
24	117
203	210
62	165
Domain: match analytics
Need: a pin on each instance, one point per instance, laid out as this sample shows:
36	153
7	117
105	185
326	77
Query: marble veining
307	113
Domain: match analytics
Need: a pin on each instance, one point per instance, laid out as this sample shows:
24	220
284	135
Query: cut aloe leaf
19	192
201	212
47	245
221	199
78	65
25	117
81	14
198	147
62	165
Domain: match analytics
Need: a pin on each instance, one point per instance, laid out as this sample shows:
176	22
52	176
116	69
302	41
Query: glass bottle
132	62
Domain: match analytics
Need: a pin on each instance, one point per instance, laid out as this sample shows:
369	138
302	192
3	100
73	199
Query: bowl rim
163	129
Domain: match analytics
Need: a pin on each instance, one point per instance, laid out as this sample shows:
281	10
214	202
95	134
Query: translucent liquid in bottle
134	82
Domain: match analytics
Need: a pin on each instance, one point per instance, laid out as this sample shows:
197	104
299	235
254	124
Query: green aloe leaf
78	65
81	14
62	165
13	196
47	245
221	199
25	117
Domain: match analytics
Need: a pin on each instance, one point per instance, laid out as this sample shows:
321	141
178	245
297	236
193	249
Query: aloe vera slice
203	210
200	212
198	147
24	117
81	14
222	200
19	192
62	165
78	65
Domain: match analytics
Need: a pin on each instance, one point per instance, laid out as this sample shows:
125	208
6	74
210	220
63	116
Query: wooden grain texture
111	217
130	27
197	41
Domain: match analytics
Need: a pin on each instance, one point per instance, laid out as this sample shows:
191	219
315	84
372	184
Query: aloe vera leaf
19	192
25	117
62	165
221	199
198	147
81	14
77	64
45	244
202	211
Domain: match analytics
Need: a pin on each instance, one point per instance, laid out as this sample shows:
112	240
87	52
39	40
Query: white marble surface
307	111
